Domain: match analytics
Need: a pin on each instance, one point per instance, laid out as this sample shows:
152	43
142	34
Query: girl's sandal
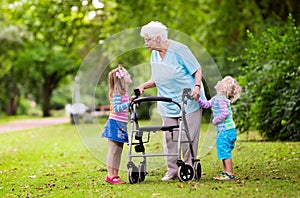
114	180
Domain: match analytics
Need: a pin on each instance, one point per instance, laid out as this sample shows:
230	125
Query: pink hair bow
121	73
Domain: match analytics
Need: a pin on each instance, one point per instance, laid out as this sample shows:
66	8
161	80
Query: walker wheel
133	175
142	172
198	171
186	172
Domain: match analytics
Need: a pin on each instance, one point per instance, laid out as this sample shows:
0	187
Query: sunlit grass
53	162
6	119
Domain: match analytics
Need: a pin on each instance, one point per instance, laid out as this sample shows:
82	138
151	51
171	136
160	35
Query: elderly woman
173	68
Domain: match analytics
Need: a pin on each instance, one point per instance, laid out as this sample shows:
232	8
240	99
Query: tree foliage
271	98
219	25
11	44
52	37
59	34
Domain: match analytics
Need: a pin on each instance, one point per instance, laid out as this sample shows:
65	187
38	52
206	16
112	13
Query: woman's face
151	43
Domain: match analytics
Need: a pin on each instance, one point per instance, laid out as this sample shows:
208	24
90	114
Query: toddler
228	90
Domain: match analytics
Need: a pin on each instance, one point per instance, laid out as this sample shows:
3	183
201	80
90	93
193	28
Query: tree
65	31
59	34
228	21
219	25
11	43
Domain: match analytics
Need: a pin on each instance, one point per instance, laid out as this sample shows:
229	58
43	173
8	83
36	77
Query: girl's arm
117	105
223	104
205	104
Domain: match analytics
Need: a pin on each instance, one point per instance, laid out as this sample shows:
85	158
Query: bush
270	81
28	107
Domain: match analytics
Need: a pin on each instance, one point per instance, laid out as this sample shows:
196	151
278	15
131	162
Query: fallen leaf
180	186
49	174
194	186
25	187
276	177
275	171
155	194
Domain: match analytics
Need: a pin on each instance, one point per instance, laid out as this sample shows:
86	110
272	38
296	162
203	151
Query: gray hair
154	29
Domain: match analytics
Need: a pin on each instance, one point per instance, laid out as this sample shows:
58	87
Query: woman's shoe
168	177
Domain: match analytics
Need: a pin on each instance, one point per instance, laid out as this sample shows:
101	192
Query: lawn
57	161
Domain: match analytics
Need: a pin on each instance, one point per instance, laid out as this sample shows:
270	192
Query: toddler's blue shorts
225	143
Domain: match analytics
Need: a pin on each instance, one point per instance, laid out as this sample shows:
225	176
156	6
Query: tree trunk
12	106
47	92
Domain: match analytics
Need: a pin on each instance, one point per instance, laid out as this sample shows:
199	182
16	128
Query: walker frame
137	174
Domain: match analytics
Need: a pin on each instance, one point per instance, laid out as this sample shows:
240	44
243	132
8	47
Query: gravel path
34	123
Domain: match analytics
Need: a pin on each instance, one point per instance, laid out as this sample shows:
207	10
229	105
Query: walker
137	174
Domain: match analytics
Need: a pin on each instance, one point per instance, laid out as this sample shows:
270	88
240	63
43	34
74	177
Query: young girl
228	90
115	129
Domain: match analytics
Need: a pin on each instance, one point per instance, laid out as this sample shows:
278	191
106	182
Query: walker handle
152	98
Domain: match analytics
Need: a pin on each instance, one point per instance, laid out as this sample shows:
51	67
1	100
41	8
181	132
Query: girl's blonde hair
117	84
232	88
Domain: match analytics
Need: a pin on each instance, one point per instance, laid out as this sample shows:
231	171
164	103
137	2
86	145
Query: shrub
270	81
28	107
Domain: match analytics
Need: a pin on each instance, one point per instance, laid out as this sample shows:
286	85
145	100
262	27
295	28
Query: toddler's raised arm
205	104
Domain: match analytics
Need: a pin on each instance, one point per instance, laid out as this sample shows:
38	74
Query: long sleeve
118	106
223	105
205	104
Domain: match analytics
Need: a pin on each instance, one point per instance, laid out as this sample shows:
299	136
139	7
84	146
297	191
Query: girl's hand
132	98
214	122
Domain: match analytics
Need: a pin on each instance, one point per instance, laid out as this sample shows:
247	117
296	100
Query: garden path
33	123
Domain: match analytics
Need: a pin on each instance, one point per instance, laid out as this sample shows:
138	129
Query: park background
43	44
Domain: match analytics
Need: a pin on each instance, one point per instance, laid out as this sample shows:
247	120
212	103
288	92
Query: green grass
6	119
53	162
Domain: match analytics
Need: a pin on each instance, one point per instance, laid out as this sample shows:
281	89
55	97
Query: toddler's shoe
225	176
114	180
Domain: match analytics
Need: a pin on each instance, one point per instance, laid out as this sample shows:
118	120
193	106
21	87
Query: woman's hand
196	93
141	88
